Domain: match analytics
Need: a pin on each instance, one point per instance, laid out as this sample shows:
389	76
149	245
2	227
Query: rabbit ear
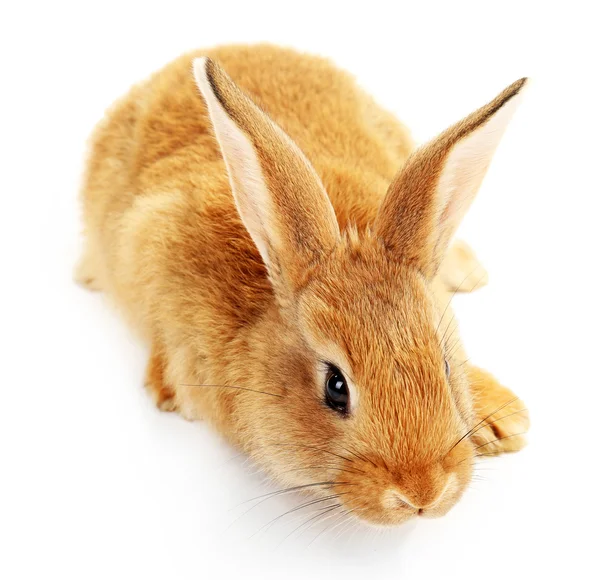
278	194
429	197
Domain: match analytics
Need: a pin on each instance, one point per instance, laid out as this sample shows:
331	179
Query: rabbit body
164	240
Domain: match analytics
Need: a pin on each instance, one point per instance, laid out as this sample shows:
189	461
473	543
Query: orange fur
238	317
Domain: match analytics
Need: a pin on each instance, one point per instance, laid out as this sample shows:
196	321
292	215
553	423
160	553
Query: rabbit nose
396	499
418	498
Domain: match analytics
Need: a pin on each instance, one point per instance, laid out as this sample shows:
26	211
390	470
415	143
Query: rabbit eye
336	390
447	368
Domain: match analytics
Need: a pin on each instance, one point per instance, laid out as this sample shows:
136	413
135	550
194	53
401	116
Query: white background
96	483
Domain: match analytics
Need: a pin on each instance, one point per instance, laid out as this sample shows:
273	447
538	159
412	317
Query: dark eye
336	390
447	368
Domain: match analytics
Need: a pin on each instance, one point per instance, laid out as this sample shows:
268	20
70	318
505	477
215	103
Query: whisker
342	515
232	458
345	527
351	470
319	517
454	348
313	448
354	529
501	438
262	499
232	387
348	519
290	490
344	523
295	509
446	339
320	522
445	336
453	295
500	419
472	430
355	469
359	456
314	539
486	425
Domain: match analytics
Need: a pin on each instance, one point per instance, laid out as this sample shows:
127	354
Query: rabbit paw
85	274
501	418
461	271
162	394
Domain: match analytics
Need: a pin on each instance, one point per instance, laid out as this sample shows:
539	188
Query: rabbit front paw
502	420
162	394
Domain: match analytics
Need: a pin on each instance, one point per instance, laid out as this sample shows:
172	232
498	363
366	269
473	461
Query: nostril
393	499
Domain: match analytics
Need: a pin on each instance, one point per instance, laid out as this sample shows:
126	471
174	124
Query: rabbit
278	242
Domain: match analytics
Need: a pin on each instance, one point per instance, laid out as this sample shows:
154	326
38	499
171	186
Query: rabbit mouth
430	492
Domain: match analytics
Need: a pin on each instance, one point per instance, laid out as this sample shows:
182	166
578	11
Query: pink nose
400	500
420	494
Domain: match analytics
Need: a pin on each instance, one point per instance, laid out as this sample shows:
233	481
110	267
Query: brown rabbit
289	294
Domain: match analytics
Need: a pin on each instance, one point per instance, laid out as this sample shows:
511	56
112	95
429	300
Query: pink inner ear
243	168
428	198
289	225
465	169
458	189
